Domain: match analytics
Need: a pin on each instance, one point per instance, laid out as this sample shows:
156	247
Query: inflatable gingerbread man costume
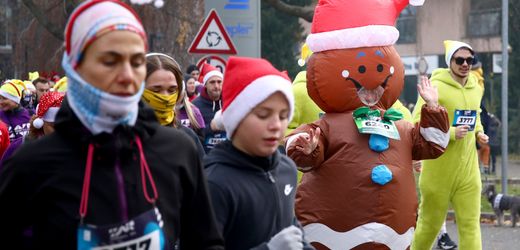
359	190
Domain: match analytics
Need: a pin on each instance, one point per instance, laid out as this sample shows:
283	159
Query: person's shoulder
165	134
35	153
218	163
198	101
286	162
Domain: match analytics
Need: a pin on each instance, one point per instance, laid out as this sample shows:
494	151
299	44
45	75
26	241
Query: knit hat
340	24
452	47
47	108
249	81
94	18
207	71
12	90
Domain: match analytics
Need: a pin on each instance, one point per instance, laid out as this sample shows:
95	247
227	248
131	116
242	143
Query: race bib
376	125
186	123
214	139
144	232
465	117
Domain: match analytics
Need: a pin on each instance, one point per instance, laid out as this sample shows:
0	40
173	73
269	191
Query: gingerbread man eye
345	73
362	69
379	68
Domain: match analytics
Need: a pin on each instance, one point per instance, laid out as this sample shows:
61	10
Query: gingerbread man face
345	79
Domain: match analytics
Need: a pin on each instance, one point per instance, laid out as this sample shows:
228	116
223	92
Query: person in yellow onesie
454	177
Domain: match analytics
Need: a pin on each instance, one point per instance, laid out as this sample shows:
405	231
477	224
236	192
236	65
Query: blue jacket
208	108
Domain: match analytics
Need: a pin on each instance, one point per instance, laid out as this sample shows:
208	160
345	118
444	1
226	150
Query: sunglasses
460	60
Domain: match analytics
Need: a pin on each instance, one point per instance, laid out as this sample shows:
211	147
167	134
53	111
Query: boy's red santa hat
207	71
340	24
47	108
249	81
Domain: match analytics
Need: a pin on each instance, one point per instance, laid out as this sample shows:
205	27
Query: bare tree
39	39
41	14
305	12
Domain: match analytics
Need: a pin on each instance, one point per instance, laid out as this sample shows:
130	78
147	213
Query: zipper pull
271	178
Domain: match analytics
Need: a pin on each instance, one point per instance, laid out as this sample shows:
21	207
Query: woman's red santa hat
368	23
207	71
47	108
249	81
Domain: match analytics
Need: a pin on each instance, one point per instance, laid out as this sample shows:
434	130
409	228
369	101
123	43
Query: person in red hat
4	138
42	123
110	176
252	185
209	102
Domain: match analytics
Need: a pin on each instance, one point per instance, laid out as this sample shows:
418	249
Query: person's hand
461	131
428	92
482	138
306	143
417	166
289	238
216	124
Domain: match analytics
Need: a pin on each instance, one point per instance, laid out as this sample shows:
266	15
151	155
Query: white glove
290	238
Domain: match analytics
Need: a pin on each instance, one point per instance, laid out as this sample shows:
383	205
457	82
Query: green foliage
282	37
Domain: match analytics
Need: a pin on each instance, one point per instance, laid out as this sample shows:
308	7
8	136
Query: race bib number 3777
465	117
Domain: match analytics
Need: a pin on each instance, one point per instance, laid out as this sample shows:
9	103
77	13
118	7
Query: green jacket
454	96
407	115
305	110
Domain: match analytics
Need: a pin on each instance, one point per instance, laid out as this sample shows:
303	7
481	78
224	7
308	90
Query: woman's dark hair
191	68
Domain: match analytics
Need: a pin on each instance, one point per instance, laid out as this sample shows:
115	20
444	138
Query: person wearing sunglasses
454	177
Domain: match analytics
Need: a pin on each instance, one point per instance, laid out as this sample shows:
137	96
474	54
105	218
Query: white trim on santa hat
211	74
358	37
50	115
253	94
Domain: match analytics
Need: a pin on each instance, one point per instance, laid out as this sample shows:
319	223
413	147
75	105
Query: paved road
493	238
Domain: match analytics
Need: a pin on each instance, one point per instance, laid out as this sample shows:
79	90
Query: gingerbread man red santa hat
47	108
333	28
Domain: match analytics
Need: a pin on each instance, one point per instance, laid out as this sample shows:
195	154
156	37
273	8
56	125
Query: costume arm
305	162
431	133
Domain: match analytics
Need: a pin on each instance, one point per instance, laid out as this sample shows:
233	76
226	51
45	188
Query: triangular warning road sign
212	37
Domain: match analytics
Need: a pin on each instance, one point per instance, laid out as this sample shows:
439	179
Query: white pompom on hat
340	24
248	82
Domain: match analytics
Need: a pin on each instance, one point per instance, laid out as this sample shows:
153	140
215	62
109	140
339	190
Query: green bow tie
390	115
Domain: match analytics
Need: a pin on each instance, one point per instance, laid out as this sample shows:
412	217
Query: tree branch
55	29
305	12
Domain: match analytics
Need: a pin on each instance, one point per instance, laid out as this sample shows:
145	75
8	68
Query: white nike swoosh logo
288	189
